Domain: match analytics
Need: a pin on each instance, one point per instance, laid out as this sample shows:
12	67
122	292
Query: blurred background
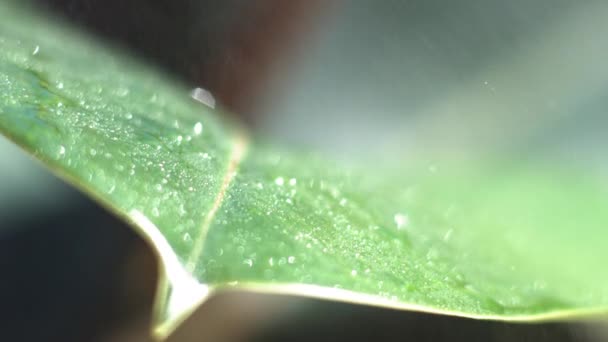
350	79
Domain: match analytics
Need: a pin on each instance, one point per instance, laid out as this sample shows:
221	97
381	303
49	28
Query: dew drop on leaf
203	96
401	220
448	235
198	128
122	91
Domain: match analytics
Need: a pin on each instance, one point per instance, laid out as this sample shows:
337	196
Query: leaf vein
237	153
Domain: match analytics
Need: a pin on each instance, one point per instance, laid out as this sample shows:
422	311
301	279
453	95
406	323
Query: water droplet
122	91
271	261
187	238
291	259
248	262
112	189
293	182
343	201
198	128
179	139
181	210
93	152
36	50
60	85
203	96
260	186
279	181
401	220
448	235
159	187
61	150
289	201
353	273
155	212
129	116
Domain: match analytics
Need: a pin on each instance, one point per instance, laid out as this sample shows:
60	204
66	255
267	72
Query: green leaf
498	240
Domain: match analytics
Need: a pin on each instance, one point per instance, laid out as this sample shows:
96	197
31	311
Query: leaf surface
499	240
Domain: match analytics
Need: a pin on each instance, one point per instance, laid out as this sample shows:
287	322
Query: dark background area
78	274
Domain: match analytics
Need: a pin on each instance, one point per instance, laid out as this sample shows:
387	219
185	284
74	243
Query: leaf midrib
240	145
